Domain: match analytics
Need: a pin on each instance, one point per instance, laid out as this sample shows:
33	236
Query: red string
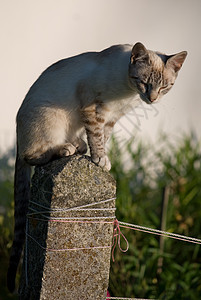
117	234
117	239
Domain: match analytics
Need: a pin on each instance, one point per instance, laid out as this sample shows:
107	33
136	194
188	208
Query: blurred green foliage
175	164
142	171
6	217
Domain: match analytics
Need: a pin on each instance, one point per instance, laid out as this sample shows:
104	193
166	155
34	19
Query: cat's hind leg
42	157
48	136
81	146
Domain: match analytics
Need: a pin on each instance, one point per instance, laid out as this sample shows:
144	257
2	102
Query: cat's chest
124	105
121	107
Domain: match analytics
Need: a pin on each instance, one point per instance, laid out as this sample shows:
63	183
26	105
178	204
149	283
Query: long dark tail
21	195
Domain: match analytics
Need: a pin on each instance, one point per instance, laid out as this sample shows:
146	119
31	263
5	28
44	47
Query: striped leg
94	122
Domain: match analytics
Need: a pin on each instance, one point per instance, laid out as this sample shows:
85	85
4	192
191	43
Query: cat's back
84	63
72	64
59	81
57	84
114	51
66	71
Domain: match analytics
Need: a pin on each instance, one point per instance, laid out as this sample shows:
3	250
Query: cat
87	93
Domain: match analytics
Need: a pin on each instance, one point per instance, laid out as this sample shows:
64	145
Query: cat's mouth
148	100
145	99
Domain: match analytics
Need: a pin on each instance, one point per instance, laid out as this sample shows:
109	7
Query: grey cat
85	93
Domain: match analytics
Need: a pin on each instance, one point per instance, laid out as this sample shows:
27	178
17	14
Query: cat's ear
176	61
138	52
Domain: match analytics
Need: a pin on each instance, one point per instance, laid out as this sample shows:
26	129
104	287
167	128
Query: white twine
36	212
73	208
67	249
87	208
160	232
63	219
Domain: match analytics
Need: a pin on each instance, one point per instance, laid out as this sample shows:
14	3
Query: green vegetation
175	167
171	168
6	218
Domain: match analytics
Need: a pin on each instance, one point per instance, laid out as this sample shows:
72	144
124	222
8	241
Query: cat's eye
167	86
142	82
163	87
135	77
139	80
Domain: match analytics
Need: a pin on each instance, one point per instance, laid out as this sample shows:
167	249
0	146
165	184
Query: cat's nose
152	99
153	96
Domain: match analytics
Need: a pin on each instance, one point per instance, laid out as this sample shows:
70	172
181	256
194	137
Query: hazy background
34	34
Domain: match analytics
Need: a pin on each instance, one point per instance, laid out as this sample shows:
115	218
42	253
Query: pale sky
35	34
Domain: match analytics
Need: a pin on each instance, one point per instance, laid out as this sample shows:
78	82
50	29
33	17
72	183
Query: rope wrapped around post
69	231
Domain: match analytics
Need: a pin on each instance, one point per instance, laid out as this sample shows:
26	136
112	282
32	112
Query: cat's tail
21	196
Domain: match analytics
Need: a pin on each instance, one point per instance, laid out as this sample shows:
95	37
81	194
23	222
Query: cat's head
153	73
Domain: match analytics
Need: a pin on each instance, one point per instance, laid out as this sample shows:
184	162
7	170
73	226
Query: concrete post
67	251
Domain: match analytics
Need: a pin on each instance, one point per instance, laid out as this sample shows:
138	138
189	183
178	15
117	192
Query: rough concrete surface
50	269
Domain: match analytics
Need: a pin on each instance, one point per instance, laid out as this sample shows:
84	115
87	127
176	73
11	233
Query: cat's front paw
103	161
66	150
